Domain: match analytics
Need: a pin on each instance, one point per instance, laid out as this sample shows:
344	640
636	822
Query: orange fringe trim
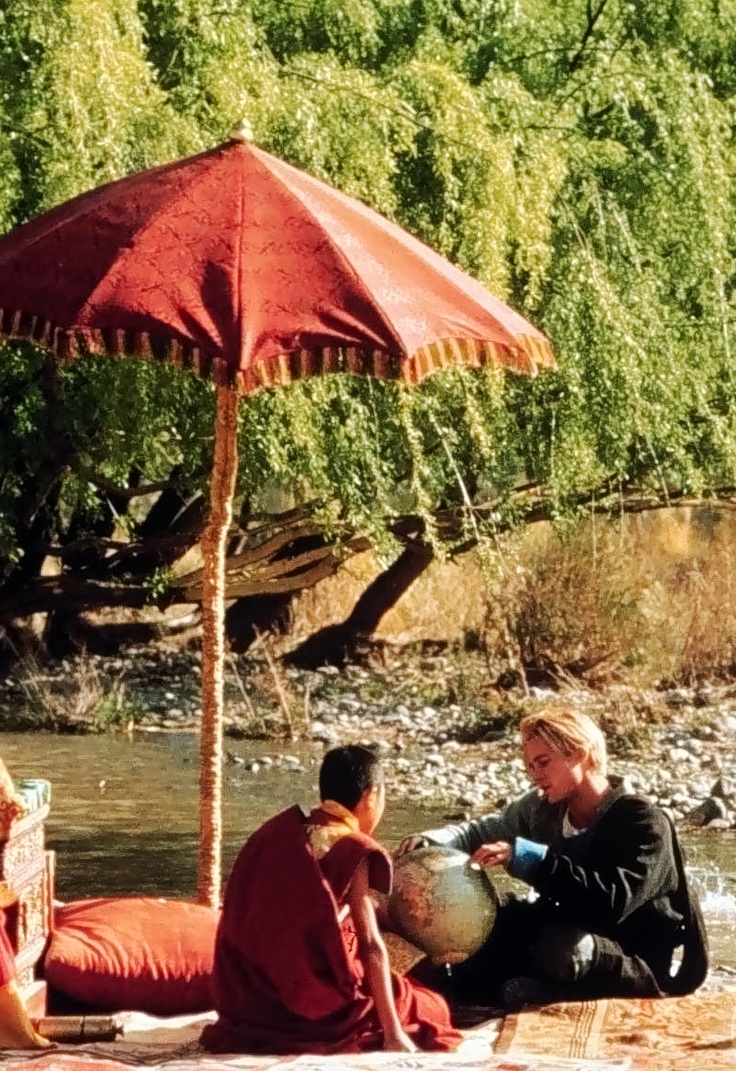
528	355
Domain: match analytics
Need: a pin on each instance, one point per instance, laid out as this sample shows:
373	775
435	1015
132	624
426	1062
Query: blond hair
567	731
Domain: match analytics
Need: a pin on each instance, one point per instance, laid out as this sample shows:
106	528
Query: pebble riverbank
456	750
447	739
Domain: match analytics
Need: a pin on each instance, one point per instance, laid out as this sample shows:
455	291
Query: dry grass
649	600
632	605
444	604
610	614
708	600
85	699
571	610
644	600
265	701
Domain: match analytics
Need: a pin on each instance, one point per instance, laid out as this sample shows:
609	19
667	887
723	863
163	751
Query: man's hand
498	853
410	844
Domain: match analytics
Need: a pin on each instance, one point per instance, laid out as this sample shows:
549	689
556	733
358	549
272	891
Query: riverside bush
647	600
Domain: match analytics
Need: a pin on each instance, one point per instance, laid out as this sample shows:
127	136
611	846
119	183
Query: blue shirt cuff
525	859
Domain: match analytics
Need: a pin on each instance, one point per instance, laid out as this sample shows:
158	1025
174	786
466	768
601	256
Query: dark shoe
526	992
467	1016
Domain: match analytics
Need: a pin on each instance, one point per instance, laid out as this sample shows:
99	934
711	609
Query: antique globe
441	904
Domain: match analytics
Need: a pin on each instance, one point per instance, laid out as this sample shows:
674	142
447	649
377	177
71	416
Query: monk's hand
410	844
498	853
399	1042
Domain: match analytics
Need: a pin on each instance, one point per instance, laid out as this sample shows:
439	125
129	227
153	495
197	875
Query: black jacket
622	878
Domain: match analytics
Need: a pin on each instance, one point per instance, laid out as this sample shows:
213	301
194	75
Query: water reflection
124	812
124	816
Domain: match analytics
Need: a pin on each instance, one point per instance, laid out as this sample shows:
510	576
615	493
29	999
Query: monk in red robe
300	964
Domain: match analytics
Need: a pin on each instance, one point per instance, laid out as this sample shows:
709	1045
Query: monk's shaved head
347	772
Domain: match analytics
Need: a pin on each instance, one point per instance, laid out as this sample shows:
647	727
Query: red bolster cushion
134	953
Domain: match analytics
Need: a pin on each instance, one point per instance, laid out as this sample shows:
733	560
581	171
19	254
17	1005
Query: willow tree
577	157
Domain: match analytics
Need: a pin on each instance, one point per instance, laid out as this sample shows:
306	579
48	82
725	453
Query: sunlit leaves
211	60
457	183
575	157
86	108
343	126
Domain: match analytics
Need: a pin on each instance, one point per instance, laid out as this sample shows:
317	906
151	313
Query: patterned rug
151	1044
381	1061
672	1034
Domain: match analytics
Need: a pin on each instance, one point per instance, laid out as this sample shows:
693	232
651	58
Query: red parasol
249	271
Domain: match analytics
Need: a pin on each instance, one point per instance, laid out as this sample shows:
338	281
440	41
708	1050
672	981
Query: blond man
611	903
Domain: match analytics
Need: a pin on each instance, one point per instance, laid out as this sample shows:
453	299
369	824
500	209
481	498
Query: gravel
447	737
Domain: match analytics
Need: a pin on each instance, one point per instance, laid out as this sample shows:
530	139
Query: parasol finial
242	131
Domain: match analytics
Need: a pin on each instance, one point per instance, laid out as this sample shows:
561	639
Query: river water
124	817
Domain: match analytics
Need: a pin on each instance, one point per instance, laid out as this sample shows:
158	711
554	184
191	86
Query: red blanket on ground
286	977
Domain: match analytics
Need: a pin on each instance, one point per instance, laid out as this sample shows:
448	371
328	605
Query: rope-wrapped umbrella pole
214	545
158	265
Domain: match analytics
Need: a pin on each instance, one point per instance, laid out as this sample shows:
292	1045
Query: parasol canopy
235	263
253	273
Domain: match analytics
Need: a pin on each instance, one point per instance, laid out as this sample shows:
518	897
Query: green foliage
348	28
159	583
131	414
319	101
335	440
577	158
84	107
116	710
211	62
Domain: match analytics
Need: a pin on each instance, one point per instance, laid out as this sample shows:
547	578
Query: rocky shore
687	766
448	738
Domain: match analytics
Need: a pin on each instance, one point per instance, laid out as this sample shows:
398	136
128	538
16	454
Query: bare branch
593	17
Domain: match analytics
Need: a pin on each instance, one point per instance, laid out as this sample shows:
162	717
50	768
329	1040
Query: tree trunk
335	644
